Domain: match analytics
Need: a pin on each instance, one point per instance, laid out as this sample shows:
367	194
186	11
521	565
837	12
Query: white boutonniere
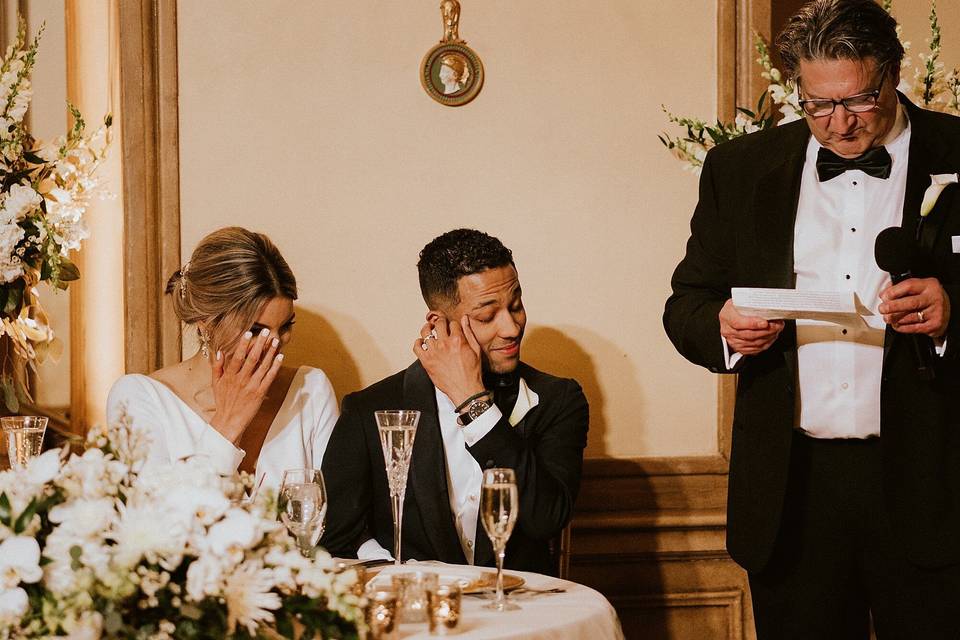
938	182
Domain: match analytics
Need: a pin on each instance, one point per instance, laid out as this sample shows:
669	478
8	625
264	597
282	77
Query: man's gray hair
840	30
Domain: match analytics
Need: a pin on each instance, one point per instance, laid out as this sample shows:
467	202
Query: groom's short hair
453	255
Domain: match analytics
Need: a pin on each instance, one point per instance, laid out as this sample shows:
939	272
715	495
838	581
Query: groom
481	407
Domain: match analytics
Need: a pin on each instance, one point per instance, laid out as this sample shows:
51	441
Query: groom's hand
450	354
748	335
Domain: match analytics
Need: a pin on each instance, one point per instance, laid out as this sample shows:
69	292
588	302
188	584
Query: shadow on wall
559	352
317	343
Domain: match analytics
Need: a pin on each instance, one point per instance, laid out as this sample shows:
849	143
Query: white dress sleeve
175	430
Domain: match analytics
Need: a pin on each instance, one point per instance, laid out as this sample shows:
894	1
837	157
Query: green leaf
68	271
14	297
5	508
24	519
33	158
10	399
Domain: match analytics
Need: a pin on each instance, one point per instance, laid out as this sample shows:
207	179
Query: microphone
898	254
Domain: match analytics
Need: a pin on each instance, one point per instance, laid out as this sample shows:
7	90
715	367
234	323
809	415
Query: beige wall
913	15
307	121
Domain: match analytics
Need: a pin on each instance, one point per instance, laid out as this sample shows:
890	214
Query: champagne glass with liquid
303	506
499	504
397	428
24	438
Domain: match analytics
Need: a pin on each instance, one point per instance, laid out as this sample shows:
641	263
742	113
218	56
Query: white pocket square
956	243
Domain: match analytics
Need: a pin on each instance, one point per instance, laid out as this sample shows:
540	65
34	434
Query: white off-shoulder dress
296	439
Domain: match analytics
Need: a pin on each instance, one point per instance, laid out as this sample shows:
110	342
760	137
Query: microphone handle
923	350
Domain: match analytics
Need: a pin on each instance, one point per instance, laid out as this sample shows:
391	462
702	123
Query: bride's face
278	317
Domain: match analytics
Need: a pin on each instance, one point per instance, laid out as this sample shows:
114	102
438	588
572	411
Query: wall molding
151	179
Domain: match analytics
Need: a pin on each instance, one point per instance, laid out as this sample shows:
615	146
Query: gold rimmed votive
443	608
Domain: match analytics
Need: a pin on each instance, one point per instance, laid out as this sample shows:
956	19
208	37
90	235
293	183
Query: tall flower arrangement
44	190
929	85
95	546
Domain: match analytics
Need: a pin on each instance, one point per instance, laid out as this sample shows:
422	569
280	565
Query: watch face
477	407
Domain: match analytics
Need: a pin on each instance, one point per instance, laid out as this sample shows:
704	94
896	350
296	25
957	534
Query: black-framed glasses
860	103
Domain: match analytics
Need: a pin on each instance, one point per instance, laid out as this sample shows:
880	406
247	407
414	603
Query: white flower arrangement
928	85
45	188
97	546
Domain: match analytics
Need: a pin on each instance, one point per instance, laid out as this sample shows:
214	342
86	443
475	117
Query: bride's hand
240	383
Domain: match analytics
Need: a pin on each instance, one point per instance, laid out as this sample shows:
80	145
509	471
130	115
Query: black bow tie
875	162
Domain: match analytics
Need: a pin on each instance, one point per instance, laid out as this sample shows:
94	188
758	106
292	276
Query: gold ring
920	315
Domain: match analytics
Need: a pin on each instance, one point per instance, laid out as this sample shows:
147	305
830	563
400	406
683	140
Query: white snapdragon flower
249	597
21	199
92	475
19	561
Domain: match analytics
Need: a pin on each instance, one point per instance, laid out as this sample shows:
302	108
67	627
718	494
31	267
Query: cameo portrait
451	73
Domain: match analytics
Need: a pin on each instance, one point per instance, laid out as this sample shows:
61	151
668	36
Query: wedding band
423	344
920	315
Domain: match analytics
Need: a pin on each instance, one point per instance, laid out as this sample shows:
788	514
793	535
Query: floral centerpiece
929	85
95	546
44	190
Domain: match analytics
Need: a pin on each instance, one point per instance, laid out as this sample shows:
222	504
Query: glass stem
396	503
501	549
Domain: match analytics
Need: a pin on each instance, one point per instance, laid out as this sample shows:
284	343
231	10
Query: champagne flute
397	428
499	504
24	438
303	506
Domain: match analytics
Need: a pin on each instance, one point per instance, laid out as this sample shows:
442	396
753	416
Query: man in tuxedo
844	488
481	407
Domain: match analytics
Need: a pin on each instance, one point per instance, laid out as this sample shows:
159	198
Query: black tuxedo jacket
742	236
545	449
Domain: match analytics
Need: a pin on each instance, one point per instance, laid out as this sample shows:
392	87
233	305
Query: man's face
845	133
492	301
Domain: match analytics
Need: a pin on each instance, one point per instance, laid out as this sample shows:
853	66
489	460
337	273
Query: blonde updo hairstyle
231	275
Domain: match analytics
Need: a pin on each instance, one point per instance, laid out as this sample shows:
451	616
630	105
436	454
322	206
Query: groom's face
492	300
844	132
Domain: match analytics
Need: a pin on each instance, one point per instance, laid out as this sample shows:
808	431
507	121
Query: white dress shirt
839	368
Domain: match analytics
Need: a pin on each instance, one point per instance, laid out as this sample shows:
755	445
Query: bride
233	401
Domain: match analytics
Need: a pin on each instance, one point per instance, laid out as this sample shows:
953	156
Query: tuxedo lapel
428	470
774	209
928	156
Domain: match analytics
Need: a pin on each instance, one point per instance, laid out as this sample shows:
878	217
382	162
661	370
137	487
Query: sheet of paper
843	308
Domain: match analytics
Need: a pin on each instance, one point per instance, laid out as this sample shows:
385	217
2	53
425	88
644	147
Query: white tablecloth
580	613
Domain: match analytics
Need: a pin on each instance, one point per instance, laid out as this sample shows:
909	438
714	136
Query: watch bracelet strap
460	407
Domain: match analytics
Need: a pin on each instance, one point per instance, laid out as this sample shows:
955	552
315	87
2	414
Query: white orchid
13	604
19	561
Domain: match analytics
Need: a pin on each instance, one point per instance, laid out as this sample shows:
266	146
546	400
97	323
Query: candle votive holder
443	608
380	615
411	588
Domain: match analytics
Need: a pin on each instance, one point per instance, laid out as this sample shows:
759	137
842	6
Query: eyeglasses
860	103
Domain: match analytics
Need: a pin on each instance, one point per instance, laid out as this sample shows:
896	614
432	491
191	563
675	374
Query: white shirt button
844	386
469	544
473	497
